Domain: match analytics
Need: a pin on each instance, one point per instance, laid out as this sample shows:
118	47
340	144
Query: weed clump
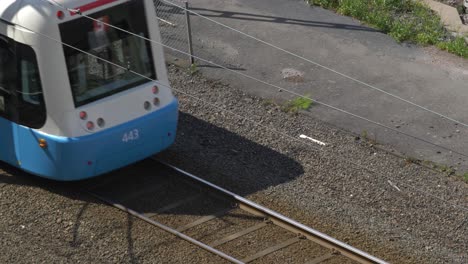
300	103
456	46
404	20
193	69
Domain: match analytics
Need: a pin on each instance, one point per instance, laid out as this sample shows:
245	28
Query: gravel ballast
351	189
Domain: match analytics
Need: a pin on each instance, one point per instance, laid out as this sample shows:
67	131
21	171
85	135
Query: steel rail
247	118
287	223
166	228
337	247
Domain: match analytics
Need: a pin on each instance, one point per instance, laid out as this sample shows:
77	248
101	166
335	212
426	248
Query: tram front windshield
92	78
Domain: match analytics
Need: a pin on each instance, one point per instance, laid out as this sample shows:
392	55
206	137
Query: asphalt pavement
428	77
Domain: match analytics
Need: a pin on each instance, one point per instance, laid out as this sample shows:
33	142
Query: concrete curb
449	16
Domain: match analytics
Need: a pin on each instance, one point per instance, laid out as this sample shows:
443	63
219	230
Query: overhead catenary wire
373	87
54	2
243	117
266	83
250	120
150	79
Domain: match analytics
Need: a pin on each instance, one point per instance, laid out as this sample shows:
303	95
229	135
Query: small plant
446	169
429	164
268	102
443	168
365	135
451	171
193	69
457	46
401	31
465	176
413	160
461	9
300	103
324	3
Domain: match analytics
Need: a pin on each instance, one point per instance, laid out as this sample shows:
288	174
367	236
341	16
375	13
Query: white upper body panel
39	28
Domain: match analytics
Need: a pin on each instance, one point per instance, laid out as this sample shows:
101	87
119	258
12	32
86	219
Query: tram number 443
131	136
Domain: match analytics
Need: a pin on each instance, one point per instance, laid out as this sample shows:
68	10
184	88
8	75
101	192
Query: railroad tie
202	220
238	234
323	258
272	249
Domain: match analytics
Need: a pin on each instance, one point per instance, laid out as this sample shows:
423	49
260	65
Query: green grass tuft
193	69
298	104
457	46
404	20
465	176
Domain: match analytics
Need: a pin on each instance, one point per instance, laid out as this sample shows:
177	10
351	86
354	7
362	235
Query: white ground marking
313	140
393	185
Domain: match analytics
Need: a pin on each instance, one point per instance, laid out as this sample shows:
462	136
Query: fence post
189	32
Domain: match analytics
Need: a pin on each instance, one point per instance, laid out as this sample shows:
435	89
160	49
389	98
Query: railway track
185	194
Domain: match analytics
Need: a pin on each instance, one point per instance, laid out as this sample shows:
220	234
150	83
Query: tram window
7	77
21	98
92	79
31	107
31	87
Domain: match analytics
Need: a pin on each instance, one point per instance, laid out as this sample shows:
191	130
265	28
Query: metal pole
189	33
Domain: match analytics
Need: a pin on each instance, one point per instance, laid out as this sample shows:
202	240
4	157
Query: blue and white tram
65	114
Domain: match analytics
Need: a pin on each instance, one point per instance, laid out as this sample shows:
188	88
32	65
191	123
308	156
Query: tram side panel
7	146
78	158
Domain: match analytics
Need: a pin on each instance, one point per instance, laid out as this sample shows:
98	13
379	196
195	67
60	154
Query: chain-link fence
179	26
181	30
173	22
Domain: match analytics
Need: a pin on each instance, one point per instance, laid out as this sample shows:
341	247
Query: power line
319	65
235	114
268	128
270	84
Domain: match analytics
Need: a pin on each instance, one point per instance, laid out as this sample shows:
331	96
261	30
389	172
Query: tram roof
9	9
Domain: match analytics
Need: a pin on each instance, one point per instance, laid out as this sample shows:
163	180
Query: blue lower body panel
69	159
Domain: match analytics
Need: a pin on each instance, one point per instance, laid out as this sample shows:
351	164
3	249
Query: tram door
7	101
